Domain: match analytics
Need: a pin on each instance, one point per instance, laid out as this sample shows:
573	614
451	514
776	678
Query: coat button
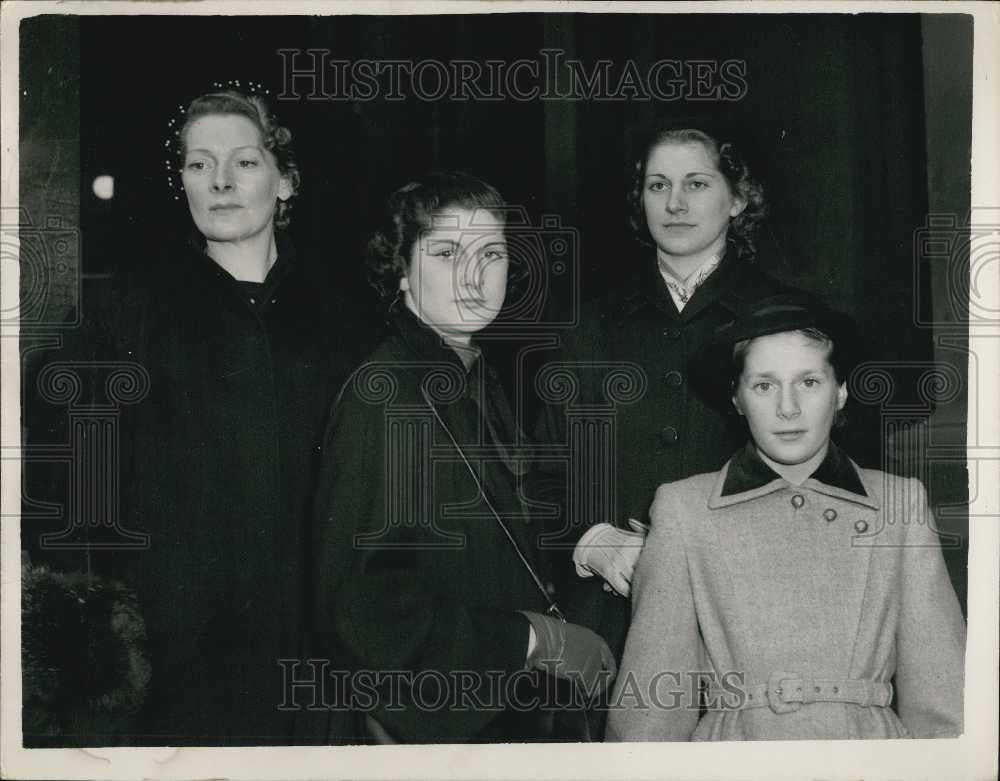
669	436
830	514
861	526
797	501
674	379
550	588
672	333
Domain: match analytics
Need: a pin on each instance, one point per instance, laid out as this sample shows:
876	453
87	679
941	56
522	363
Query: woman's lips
224	207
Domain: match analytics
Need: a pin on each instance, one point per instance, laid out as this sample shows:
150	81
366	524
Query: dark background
861	128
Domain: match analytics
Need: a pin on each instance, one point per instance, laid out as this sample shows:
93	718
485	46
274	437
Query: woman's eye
697	184
656	187
248	163
494	254
447	254
196	165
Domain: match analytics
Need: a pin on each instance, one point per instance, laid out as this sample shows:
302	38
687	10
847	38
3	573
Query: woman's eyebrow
207	151
689	174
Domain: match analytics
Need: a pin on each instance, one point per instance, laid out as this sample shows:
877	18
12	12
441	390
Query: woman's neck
796	474
681	267
247	260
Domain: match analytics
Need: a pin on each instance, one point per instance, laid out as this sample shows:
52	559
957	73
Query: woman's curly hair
276	139
731	163
409	213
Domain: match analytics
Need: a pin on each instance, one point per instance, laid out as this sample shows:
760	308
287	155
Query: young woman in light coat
808	596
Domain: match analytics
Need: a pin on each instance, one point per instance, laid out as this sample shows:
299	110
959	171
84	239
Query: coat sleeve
384	613
931	633
650	699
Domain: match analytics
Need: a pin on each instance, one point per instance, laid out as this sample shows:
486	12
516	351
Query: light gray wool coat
839	579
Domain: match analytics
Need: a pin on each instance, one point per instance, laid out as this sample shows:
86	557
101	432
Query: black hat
787	311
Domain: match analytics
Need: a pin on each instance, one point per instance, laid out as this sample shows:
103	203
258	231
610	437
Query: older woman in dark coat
227	347
431	596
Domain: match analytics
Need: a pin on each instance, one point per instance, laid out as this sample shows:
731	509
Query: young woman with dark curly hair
695	207
430	587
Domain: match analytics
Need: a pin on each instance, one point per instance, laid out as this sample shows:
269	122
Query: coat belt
787	692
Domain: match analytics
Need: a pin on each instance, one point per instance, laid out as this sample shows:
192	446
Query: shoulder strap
553	607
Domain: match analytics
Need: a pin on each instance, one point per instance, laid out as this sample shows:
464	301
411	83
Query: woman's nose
222	179
470	270
676	201
788	404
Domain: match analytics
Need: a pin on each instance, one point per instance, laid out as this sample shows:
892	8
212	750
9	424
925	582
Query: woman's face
457	279
232	182
687	201
789	394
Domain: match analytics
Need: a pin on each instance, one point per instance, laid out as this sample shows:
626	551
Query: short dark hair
276	139
409	213
731	163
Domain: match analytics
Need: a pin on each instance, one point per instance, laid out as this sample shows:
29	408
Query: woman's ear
284	188
739	204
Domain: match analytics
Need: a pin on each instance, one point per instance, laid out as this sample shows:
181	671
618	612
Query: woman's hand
572	652
610	552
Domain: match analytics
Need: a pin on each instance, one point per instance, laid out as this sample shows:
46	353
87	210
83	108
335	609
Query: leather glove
610	552
572	652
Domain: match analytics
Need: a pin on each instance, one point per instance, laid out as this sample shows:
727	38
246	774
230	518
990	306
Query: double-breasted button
669	436
672	333
550	588
830	514
674	379
861	526
798	500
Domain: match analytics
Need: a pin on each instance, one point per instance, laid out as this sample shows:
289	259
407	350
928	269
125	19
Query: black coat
218	464
414	573
623	415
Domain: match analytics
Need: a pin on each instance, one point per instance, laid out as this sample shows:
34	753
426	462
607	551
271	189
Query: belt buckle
775	692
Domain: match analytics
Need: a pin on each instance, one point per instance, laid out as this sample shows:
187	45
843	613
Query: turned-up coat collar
285	262
650	290
747	477
482	385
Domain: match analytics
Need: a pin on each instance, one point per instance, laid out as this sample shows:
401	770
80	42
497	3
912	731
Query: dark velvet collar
747	472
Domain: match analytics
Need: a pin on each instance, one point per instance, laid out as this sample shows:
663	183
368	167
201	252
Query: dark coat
414	573
626	369
218	464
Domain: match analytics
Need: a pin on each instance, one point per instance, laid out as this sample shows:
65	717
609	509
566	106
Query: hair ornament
176	123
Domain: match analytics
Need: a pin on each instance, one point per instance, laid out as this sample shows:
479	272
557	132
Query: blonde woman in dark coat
813	592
